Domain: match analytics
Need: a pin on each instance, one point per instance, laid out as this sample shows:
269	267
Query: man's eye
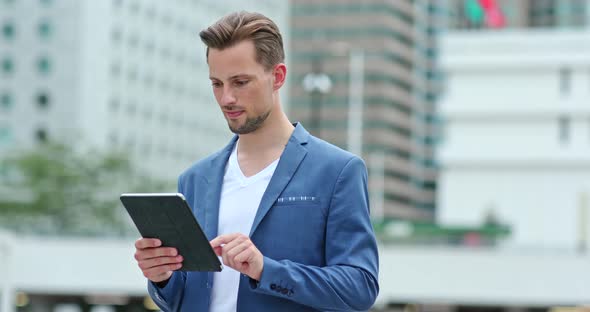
216	84
241	82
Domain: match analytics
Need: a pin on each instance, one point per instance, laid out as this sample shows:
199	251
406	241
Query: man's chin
247	126
235	127
242	129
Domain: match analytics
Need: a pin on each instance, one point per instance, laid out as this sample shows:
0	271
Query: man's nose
227	97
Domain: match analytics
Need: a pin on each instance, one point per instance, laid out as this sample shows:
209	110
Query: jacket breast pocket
297	200
298	226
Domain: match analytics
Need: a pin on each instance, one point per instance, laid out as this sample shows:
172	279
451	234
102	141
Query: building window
114	139
43	100
148	80
131	108
44	29
166	19
8	31
130	143
162	150
163	119
134	8
149	47
165	53
3	170
542	13
180	90
116	35
146	149
564	129
5	135
565	78
164	85
7	65
43	65
41	135
150	14
6	101
147	114
114	104
115	69
180	57
133	41
132	74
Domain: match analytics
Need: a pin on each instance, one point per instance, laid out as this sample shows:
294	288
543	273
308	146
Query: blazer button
273	286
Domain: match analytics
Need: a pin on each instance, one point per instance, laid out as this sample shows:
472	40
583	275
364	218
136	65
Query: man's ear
279	75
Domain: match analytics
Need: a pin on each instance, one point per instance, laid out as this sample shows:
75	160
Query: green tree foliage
54	189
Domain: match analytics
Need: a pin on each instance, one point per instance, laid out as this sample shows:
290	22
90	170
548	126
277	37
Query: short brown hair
239	26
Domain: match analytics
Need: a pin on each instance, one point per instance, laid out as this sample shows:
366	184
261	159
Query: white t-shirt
240	198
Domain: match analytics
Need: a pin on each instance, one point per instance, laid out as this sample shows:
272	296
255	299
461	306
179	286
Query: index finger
223	239
143	243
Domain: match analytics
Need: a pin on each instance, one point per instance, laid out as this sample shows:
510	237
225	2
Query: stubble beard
251	124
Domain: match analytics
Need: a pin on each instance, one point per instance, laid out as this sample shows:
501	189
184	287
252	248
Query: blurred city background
473	117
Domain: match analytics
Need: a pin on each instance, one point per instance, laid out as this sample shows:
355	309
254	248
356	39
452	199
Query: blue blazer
312	226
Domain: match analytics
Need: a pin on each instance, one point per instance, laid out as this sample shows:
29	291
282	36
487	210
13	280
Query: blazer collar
214	183
291	157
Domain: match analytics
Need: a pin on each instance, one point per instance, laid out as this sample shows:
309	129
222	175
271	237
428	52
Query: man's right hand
157	263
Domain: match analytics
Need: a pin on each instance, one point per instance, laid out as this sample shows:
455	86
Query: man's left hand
238	252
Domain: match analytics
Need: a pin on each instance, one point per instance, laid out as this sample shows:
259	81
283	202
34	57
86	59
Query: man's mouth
234	114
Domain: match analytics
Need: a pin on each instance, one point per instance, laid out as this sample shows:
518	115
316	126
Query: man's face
242	87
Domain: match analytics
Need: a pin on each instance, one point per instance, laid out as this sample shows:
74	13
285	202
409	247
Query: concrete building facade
121	74
374	65
516	141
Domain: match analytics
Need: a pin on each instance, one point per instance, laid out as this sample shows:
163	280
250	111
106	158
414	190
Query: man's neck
272	136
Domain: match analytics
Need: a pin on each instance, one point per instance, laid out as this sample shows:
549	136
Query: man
287	212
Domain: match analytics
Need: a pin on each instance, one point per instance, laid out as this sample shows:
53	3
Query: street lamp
7	296
355	101
377	163
317	84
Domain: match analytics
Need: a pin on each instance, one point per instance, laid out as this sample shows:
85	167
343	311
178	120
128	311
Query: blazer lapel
213	194
292	156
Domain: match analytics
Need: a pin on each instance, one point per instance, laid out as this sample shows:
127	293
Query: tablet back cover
168	217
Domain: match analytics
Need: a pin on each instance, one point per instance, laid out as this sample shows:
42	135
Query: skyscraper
126	74
364	77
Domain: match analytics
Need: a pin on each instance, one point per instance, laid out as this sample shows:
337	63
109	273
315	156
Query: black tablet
168	217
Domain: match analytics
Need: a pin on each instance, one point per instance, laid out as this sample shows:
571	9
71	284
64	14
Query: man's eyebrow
241	76
234	76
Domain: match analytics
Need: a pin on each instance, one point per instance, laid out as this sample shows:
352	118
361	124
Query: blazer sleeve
349	281
168	298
